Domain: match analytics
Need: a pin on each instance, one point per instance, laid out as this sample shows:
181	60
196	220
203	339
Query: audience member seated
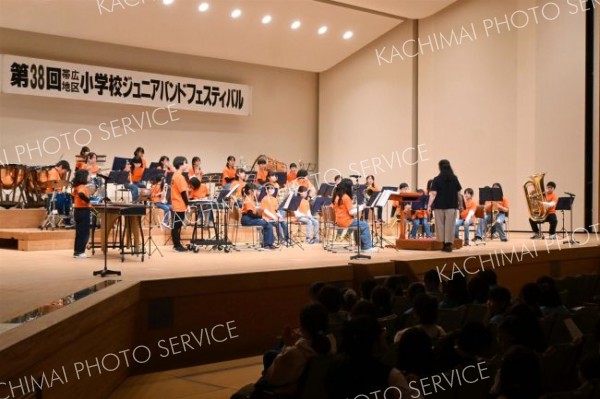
519	376
381	298
314	289
531	296
470	345
350	299
490	277
478	290
498	303
431	279
426	310
550	303
589	375
455	292
415	357
394	284
366	289
363	308
300	346
357	370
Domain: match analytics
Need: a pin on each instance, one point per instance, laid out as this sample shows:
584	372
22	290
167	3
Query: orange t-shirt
178	186
248	206
78	202
156	193
470	205
238	191
304	206
227	174
137	174
552	198
421	213
303	182
53	175
198	173
261	175
504	203
269	204
93	169
291	176
343	218
80	165
201	192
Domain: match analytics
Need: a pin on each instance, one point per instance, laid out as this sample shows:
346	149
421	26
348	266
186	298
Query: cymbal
56	184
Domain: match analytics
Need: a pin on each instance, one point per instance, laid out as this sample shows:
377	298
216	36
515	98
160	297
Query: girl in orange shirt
157	194
240	181
304	216
81	212
372	189
345	212
196	169
250	217
229	171
197	189
164	163
271	214
82	158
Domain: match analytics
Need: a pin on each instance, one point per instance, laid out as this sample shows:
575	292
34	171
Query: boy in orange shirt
550	203
81	212
502	208
179	201
467	216
58	172
261	174
240	181
304	216
292	173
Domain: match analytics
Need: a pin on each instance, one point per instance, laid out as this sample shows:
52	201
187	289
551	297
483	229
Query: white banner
37	77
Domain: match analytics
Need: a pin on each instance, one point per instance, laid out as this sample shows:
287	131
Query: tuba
534	194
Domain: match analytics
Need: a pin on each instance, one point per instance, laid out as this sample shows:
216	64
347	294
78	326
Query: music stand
566	204
291	204
360	197
319	203
325	190
120	163
150	174
105	271
117	177
281	178
492	194
250	177
153	165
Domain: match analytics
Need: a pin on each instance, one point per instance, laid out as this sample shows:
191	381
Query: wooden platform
425	244
21	218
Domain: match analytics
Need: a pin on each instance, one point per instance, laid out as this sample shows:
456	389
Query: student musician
403	188
179	201
550	202
164	163
345	211
240	182
136	170
272	179
58	172
228	171
91	164
251	216
158	194
305	217
302	180
370	190
494	208
292	173
262	172
196	169
82	157
269	205
197	189
420	218
81	213
467	215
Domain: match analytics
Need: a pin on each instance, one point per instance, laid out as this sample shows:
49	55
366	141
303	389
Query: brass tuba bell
534	194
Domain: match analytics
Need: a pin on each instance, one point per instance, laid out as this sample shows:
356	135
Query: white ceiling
181	28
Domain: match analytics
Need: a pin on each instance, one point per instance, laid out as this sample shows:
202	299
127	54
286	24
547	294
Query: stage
174	294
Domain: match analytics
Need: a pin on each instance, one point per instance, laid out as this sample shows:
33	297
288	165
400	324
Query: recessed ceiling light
296	24
203	7
322	30
348	34
236	13
266	19
168	2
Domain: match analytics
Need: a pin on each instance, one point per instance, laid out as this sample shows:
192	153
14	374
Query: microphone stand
105	271
357	219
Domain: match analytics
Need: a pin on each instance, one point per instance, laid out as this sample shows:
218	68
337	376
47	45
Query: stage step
21	218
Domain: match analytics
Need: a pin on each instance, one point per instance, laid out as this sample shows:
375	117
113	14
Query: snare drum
63	203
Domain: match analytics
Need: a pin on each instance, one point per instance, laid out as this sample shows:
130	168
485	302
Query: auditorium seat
451	319
315	377
558	368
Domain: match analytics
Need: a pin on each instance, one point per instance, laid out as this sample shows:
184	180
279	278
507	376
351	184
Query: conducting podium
427	244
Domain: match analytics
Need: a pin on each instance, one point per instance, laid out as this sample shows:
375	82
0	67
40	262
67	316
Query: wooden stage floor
31	279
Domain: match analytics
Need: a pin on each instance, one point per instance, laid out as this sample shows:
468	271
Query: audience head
331	298
415	289
474	339
361	337
490	277
531	295
394	284
415	353
426	309
314	289
314	322
549	296
455	290
520	375
478	290
366	288
498	300
382	300
350	299
363	308
431	278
